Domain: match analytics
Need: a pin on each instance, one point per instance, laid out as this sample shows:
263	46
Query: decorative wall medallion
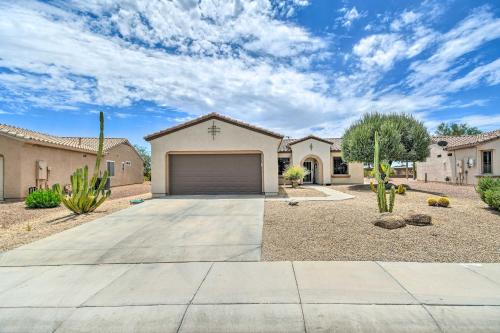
213	130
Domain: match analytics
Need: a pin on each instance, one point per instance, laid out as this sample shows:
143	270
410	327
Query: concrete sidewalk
251	297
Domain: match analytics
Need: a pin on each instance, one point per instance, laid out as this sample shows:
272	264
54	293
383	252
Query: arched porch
314	165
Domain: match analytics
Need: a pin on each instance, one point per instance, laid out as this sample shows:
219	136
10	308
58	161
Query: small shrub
485	184
401	189
443	202
492	198
43	199
295	174
432	201
373	187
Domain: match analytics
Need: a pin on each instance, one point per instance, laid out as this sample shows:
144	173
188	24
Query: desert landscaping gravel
302	191
468	231
20	225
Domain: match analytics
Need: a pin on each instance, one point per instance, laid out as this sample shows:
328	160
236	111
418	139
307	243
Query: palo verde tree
401	138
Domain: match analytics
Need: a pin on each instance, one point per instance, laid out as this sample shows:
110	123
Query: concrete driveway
183	229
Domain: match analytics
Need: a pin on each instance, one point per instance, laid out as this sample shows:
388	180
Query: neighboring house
30	159
462	159
215	154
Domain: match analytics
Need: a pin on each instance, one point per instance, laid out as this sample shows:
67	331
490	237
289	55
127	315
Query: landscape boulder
389	221
418	219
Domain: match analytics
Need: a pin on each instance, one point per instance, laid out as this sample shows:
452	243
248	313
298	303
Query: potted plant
295	174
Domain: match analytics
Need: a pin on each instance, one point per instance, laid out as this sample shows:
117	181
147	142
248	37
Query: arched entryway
315	167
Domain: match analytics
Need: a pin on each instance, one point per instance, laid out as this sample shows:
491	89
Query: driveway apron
177	229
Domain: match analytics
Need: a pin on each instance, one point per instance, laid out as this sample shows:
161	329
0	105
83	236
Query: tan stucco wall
355	176
314	149
20	165
11	151
133	174
438	168
196	139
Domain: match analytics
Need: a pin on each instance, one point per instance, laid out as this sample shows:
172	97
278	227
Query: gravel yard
21	225
302	191
342	230
454	191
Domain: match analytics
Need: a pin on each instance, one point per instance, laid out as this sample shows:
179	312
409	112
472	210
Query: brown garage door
215	174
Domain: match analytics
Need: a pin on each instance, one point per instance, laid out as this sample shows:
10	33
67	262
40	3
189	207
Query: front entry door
308	179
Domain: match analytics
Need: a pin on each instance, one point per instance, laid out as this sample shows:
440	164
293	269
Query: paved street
125	273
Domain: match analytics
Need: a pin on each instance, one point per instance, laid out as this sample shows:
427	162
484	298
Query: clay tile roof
335	143
93	143
209	116
73	143
464	141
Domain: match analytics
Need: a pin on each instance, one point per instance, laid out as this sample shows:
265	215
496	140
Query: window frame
490	152
281	171
346	172
114	168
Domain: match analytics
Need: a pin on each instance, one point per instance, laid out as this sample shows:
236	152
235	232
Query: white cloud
350	15
477	29
239	58
405	19
380	50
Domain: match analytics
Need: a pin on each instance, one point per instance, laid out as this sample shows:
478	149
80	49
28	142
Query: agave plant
85	196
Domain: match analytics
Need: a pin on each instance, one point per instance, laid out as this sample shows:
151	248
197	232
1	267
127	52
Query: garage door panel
215	173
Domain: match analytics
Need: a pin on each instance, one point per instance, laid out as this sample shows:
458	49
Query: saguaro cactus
383	206
85	197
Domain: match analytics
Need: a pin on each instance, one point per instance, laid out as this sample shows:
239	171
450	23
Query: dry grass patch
342	230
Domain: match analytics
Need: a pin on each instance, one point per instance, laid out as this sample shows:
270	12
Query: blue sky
297	66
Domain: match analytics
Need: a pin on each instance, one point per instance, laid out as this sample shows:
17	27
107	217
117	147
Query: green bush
492	198
485	184
43	199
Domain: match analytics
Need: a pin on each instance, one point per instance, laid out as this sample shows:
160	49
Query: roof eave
211	116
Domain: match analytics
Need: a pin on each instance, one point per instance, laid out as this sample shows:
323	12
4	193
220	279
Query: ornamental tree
401	138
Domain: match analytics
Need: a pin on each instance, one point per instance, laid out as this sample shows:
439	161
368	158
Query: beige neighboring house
215	154
30	159
462	159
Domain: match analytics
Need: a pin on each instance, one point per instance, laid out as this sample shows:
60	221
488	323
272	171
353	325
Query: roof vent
79	141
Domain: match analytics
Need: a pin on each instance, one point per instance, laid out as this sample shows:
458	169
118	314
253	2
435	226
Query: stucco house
215	154
462	159
30	159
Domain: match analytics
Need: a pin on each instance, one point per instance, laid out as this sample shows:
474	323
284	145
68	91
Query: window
340	167
487	168
111	168
283	163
